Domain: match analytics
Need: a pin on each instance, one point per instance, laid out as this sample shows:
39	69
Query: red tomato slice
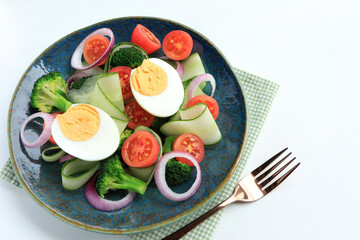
209	101
51	138
124	75
192	144
140	149
177	45
94	48
138	116
144	38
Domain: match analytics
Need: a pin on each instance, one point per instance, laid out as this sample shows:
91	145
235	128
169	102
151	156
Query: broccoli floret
128	56
158	122
78	83
176	172
125	134
50	91
112	176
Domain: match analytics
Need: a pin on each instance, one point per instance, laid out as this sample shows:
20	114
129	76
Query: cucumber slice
193	67
83	94
108	67
121	124
146	174
110	85
196	119
168	144
75	173
198	91
100	99
91	71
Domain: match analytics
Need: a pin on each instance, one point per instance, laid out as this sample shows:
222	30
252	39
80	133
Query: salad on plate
125	117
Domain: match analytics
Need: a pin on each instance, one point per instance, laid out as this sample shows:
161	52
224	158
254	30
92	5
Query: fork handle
187	228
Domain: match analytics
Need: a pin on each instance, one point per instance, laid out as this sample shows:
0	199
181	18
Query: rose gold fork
249	189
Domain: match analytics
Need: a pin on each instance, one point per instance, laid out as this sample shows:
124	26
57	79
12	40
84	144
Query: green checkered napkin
259	94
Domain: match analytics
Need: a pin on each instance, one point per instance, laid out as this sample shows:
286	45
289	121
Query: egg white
168	102
102	145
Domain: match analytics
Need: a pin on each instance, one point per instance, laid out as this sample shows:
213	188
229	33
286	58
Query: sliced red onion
196	82
179	67
74	77
66	158
44	136
103	204
76	57
160	179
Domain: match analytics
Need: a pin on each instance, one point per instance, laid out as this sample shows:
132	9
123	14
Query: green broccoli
78	83
176	172
125	134
50	91
112	176
158	122
131	57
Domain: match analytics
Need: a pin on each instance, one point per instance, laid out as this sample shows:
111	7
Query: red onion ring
76	57
160	179
179	66
44	136
103	204
66	158
74	77
196	82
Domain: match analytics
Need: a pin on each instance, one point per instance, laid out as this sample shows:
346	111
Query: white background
311	48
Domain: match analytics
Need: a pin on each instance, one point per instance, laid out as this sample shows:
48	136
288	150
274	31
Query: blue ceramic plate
42	180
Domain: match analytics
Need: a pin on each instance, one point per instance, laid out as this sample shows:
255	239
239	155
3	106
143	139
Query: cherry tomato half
140	149
124	75
209	101
192	144
177	45
138	116
144	38
51	138
94	48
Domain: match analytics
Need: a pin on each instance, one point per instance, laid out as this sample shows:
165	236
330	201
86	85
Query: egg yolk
79	123
149	79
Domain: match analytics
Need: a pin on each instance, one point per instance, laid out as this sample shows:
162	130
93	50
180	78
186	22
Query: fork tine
280	180
262	176
267	163
272	177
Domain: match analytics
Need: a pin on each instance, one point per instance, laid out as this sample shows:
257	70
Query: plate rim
154	226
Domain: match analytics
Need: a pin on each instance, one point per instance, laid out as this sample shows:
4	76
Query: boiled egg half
157	87
86	132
